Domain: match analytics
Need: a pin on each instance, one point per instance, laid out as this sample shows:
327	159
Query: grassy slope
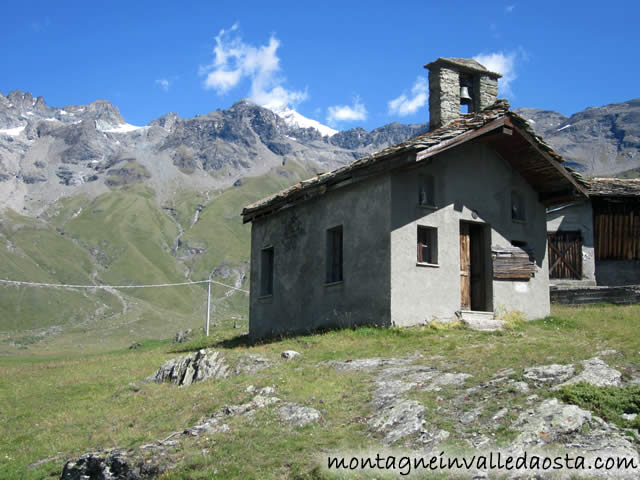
125	237
32	250
68	405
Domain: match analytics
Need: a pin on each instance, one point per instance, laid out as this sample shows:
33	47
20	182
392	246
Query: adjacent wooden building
597	241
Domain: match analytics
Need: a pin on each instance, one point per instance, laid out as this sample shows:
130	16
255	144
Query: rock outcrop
196	367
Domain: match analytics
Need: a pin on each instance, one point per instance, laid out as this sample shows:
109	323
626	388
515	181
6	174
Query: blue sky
345	64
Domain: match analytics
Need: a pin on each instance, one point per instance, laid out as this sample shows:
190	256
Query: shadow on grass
245	341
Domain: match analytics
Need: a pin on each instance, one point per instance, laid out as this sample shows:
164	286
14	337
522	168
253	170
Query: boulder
289	354
402	419
576	431
196	367
596	372
549	374
182	336
297	415
110	465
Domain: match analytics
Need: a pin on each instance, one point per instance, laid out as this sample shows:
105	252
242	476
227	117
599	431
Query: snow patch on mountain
12	132
122	128
295	120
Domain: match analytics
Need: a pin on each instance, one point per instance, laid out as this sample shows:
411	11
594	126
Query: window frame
427	238
427	191
334	257
267	271
517	200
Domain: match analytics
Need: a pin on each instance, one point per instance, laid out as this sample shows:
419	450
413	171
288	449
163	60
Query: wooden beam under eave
552	161
554	198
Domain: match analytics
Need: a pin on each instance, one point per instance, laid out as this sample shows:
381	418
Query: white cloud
346	113
405	105
503	63
164	83
235	60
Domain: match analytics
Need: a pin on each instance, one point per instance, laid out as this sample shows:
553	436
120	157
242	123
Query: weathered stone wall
488	92
444	96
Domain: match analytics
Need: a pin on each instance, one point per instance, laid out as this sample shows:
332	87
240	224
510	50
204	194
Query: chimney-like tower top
458	86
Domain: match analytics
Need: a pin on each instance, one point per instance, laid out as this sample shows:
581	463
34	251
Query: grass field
70	403
126	237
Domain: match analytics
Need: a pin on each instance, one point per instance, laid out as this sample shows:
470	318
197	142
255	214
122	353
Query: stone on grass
192	368
181	336
575	430
596	372
289	354
216	423
431	438
250	364
297	415
267	391
446	379
470	416
403	419
366	363
521	387
549	374
110	465
484	325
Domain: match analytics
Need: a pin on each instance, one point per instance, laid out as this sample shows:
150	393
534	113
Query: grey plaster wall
301	300
577	216
472	183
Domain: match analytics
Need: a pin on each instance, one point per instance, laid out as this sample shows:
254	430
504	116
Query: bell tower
458	86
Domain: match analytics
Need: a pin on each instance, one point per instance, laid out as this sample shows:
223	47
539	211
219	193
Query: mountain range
89	199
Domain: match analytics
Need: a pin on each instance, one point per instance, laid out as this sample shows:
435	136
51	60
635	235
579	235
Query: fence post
208	303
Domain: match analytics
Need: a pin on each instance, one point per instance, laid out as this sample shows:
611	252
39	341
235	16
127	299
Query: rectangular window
334	255
266	272
426	195
517	207
427	245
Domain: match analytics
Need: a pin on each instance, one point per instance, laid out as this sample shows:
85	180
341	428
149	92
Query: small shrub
451	325
609	403
513	319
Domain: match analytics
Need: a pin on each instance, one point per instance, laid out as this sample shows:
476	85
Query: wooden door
565	255
477	268
465	266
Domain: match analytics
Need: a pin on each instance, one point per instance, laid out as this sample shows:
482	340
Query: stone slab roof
468	64
429	143
614	187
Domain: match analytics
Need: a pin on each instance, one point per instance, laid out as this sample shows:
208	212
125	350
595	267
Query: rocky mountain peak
166	121
105	111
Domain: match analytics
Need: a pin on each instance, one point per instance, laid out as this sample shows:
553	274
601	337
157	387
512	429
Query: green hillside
127	237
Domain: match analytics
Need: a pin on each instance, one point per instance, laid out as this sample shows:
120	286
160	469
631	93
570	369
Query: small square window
426	193
266	272
517	207
427	245
334	255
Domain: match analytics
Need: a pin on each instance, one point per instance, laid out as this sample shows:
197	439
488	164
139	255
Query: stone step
480	320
